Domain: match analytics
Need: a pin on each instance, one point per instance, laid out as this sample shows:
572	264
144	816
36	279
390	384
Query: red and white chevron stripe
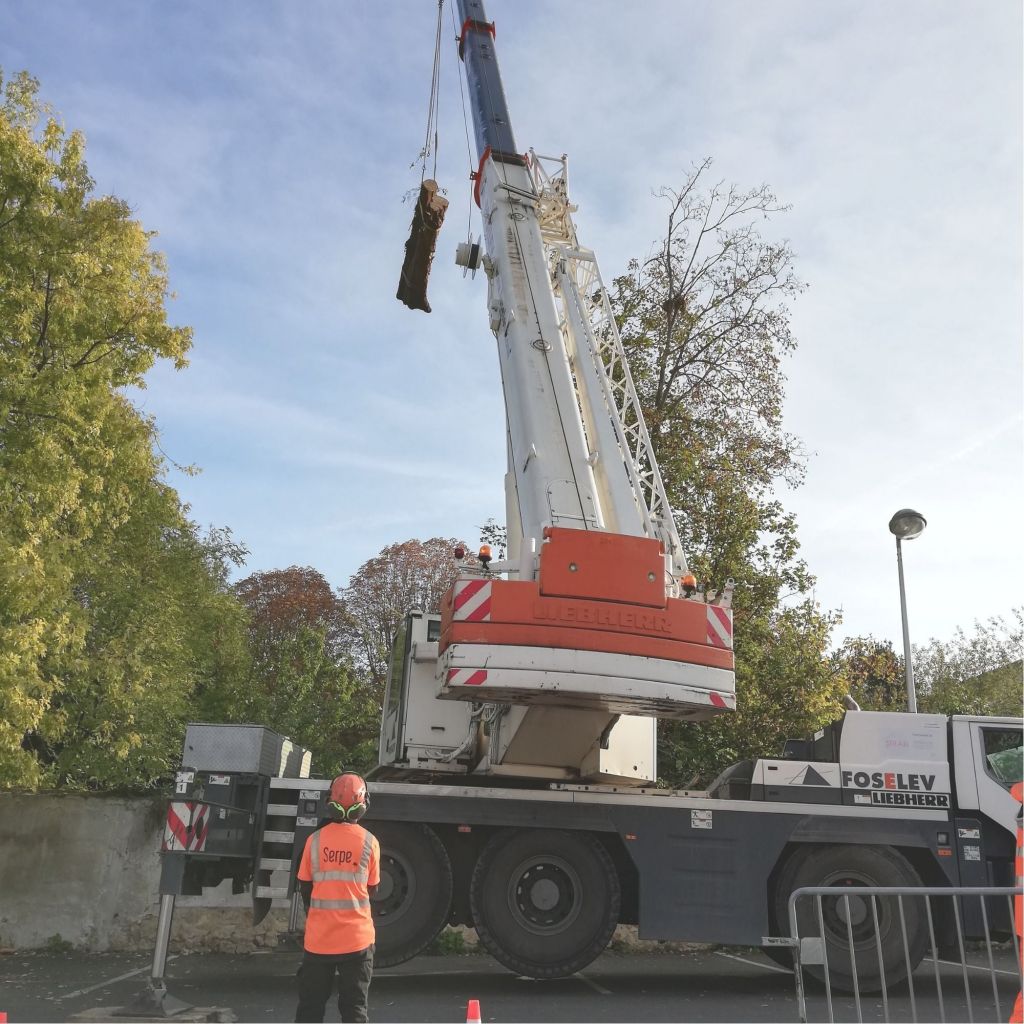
186	827
176	827
719	626
466	676
472	601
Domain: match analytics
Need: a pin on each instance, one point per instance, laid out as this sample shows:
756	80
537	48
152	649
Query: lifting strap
430	205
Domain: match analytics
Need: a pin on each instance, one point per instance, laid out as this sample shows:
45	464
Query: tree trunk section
419	249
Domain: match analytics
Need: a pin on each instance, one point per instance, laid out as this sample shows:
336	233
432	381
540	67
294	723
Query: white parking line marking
110	981
381	975
974	967
593	984
755	963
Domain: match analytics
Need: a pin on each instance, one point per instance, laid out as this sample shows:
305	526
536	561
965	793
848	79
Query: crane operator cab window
1004	755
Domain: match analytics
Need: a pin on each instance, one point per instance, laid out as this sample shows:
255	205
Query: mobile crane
518	729
599	628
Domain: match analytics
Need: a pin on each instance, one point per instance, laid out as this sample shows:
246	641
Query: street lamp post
906	525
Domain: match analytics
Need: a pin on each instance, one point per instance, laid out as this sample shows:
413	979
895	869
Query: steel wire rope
434	106
529	284
465	125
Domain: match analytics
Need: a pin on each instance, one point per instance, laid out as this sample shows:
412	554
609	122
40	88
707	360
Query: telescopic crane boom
599	611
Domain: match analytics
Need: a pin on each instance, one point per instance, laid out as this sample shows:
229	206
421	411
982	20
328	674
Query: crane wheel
413	901
902	939
545	902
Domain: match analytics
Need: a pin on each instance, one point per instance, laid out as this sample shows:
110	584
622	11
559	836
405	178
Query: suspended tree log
419	249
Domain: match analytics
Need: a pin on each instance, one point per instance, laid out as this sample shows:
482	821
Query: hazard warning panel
186	827
719	626
471	601
466	676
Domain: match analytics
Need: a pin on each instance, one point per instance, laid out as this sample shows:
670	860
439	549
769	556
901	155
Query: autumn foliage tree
320	658
412	574
283	601
301	679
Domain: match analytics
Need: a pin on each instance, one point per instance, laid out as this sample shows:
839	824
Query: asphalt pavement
713	986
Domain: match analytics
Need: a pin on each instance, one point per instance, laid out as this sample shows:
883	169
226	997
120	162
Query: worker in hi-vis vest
340	868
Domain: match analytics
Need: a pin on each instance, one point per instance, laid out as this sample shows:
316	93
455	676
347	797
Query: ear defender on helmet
352	813
348	797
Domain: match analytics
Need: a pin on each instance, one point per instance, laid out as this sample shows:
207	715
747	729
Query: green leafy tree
976	673
873	673
301	680
112	608
160	629
785	690
706	328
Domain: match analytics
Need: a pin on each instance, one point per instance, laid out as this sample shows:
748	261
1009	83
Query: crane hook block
419	249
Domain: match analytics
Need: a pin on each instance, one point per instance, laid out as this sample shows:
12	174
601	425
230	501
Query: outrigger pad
419	249
153	1002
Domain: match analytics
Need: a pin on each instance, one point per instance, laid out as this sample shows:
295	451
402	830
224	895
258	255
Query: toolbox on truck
243	748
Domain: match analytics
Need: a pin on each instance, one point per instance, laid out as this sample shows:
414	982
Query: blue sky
270	144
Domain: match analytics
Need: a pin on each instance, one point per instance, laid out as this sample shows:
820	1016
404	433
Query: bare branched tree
705	323
402	576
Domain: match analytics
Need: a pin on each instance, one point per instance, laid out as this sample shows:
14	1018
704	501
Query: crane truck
515	790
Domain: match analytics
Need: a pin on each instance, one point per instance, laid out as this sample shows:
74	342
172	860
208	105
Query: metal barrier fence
867	941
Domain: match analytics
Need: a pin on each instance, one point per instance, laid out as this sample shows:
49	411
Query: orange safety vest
341	861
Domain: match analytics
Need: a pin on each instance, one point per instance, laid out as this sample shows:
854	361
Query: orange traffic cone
473	1012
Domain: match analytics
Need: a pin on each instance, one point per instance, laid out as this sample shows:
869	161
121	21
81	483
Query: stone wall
84	871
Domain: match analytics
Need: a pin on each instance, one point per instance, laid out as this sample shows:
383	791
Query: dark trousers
316	980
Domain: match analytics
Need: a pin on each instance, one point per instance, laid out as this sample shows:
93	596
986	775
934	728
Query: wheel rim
544	894
845	914
397	888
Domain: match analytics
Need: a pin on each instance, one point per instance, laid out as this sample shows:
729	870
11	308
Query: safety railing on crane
594	337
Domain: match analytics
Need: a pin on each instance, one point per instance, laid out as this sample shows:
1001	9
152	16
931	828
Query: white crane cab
421	734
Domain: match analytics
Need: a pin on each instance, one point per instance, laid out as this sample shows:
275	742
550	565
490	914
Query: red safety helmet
348	798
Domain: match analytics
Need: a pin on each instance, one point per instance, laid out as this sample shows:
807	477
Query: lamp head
907	524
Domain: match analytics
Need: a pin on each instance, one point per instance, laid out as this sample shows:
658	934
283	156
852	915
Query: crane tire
545	902
855	867
413	901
